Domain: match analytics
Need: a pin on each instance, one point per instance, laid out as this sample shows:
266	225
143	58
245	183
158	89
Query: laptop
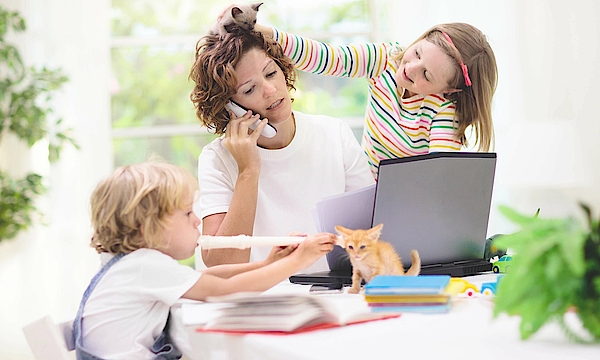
437	203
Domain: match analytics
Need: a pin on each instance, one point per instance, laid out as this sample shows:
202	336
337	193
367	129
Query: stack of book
423	294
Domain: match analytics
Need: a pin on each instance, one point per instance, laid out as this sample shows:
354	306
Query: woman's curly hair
214	74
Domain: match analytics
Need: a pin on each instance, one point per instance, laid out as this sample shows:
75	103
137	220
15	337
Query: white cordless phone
268	131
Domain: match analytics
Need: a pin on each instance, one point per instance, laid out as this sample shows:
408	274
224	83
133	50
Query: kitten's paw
353	290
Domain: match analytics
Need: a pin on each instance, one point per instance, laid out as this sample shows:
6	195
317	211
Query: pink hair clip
465	71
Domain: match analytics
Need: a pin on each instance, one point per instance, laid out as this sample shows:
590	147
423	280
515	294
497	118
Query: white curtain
45	271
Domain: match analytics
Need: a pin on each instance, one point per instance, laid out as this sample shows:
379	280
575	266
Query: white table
468	331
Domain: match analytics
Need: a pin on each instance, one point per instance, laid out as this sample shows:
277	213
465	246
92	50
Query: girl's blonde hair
213	72
473	103
129	209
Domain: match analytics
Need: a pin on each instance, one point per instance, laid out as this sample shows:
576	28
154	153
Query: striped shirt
395	126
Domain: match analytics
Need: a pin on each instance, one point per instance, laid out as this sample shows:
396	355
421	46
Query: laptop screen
438	204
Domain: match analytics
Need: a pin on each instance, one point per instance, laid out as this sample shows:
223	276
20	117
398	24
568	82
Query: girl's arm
258	278
356	60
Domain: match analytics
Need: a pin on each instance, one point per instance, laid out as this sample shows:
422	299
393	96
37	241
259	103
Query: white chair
50	341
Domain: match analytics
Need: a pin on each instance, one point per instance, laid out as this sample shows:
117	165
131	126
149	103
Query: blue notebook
423	284
431	309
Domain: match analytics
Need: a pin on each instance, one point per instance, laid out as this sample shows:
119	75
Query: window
152	50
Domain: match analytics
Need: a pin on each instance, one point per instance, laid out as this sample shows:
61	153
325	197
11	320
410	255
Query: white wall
547	130
46	270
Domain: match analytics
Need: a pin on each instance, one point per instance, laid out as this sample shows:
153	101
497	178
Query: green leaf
588	313
515	216
588	213
554	267
572	251
17	208
10	21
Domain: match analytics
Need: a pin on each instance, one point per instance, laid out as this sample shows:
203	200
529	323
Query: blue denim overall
163	348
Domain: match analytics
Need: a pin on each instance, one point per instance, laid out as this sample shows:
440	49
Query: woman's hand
243	146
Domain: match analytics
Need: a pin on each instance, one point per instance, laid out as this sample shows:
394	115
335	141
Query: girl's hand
243	146
279	252
311	249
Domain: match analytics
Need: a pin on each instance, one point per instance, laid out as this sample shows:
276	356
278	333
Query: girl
143	223
253	184
421	99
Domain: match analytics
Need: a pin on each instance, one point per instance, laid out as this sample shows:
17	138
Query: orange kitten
371	257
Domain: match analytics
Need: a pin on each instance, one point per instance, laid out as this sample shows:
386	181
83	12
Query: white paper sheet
352	209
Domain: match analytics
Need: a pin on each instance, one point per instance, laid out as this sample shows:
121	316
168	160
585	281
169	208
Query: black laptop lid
437	203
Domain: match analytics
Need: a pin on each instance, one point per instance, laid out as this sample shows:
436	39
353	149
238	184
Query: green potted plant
555	270
25	111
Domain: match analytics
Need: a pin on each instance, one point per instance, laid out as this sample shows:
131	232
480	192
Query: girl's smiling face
425	69
262	87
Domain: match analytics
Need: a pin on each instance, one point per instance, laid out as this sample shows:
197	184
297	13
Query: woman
251	184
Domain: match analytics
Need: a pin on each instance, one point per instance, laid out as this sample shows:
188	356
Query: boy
143	223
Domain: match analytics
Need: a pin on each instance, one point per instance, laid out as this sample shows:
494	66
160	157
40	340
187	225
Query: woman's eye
272	73
417	53
249	91
425	75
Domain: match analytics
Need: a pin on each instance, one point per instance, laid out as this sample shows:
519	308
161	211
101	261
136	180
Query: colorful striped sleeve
357	60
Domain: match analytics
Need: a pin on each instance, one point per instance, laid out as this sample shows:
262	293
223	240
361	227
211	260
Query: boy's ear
451	91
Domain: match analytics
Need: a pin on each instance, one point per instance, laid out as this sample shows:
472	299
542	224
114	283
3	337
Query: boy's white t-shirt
129	307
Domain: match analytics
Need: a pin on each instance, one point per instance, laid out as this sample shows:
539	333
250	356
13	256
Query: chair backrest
48	340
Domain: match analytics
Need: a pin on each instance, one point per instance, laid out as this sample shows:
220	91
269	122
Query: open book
277	313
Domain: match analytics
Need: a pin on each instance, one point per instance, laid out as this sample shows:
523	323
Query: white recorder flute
207	242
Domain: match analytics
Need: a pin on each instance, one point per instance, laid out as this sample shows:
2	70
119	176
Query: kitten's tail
415	267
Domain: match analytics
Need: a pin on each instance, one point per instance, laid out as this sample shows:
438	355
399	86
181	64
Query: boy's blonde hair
473	103
129	208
